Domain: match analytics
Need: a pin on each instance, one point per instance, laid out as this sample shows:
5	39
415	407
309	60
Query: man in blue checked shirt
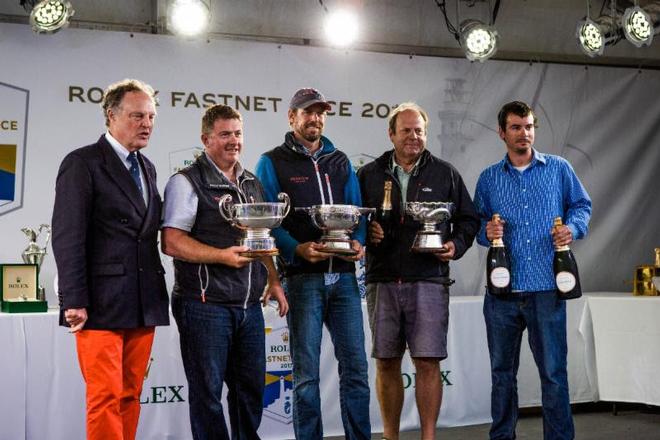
529	189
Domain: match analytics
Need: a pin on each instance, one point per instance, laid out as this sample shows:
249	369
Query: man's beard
521	149
311	137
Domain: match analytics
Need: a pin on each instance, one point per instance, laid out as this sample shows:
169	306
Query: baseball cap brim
306	104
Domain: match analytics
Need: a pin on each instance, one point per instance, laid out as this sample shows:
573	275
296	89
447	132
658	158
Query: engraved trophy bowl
34	254
430	214
256	220
337	222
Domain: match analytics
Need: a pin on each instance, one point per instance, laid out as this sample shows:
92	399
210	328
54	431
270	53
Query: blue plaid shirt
528	202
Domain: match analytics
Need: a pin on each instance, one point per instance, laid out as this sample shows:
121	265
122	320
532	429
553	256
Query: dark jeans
339	307
222	344
544	316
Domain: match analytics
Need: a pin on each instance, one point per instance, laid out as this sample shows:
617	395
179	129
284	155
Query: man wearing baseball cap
320	288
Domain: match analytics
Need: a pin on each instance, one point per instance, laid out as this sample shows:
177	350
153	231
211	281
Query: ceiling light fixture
590	37
188	17
341	26
49	16
640	25
594	35
478	40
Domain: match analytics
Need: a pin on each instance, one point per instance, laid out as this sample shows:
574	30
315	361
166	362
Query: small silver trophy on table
33	254
429	239
256	220
337	222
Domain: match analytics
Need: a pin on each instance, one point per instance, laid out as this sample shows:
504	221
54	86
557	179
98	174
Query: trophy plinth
337	222
430	214
255	220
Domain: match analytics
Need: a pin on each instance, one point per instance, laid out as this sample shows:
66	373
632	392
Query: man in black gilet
216	294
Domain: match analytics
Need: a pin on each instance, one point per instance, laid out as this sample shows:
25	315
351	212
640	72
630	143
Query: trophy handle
47	228
284	197
444	210
367	212
224	205
311	212
29	233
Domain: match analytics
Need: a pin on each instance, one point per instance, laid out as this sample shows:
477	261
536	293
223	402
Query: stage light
594	35
49	16
638	26
341	28
590	37
478	40
188	17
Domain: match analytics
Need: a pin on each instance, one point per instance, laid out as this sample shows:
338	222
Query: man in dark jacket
321	289
217	290
111	286
407	292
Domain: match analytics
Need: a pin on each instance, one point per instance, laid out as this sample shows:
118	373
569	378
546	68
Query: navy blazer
105	241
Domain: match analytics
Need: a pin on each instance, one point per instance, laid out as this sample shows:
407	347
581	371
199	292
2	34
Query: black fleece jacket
433	180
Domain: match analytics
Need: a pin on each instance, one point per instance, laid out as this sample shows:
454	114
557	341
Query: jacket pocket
109	269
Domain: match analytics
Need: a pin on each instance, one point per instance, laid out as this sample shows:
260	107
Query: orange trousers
113	364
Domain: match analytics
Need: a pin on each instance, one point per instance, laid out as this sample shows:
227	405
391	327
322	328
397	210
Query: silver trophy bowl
337	222
255	220
430	214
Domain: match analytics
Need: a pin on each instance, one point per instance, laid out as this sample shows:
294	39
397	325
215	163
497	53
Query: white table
626	335
43	392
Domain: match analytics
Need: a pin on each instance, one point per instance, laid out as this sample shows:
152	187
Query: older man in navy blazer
111	286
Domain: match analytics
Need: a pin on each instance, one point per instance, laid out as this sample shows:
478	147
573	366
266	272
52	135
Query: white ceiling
530	30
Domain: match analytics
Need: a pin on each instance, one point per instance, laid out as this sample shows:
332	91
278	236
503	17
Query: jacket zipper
244	197
320	183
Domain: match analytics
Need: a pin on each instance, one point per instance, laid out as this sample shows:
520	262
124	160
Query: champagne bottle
566	270
384	213
498	266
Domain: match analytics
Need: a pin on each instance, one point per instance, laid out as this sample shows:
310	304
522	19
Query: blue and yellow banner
7	172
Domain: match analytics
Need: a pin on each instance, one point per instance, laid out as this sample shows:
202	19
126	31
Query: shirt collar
121	151
537	158
238	168
315	154
326	146
394	166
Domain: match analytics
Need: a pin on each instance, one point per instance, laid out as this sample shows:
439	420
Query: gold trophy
647	278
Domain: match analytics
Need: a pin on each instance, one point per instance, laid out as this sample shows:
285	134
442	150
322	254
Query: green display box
19	284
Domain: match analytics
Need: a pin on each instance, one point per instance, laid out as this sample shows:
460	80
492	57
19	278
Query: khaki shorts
416	314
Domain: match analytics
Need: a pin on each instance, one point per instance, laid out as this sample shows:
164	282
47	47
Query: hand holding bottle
561	235
376	233
495	228
498	264
564	265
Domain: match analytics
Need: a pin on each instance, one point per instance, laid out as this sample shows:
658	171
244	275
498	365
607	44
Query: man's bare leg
428	394
389	387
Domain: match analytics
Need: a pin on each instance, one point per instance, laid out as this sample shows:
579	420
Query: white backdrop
604	120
